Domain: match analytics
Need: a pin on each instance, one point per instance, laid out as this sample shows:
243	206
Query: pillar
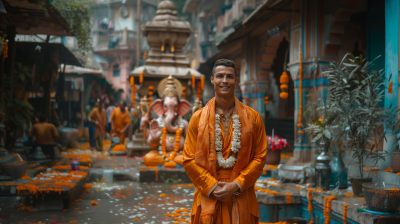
391	66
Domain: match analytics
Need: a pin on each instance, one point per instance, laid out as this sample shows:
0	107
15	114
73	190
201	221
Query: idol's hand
224	190
155	130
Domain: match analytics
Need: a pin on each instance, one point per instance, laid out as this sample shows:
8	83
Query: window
116	70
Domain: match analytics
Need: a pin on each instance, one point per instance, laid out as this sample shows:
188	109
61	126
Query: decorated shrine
166	36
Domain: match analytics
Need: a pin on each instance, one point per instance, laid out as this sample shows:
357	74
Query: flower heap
163	140
230	162
276	143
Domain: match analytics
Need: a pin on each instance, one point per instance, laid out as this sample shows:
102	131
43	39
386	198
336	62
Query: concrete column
391	66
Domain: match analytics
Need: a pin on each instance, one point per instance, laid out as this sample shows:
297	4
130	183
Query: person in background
91	126
120	122
99	119
109	111
43	132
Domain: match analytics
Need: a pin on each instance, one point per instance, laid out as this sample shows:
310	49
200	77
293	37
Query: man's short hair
123	102
42	118
224	62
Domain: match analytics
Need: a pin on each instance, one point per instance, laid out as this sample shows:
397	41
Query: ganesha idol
167	132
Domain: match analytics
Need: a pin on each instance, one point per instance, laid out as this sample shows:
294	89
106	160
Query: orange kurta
120	121
205	181
100	119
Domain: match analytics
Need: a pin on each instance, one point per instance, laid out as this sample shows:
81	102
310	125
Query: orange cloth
44	133
120	121
201	165
118	148
153	158
101	118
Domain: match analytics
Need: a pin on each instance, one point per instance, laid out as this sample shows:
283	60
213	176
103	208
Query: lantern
322	171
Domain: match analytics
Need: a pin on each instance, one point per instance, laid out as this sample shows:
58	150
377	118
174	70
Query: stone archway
338	24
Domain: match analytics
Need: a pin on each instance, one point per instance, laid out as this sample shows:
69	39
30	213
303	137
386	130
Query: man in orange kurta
99	118
225	195
120	122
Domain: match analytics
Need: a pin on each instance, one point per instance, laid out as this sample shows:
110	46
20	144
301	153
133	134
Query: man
45	135
120	122
99	119
91	126
224	159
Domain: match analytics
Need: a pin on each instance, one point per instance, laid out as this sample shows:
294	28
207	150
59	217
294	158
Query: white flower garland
161	124
230	162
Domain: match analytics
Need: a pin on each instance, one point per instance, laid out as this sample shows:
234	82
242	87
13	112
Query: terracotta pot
396	162
273	157
356	184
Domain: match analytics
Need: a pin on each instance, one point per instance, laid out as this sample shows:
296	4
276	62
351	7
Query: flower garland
345	213
327	208
163	140
310	207
230	162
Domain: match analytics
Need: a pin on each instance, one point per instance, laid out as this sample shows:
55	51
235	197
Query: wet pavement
120	202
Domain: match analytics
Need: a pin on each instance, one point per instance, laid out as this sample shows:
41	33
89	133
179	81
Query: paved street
120	202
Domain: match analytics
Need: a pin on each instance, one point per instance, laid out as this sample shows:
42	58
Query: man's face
122	106
224	81
98	105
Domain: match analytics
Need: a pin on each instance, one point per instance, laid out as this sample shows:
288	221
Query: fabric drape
201	165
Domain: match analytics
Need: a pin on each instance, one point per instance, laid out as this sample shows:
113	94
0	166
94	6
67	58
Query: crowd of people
110	121
115	120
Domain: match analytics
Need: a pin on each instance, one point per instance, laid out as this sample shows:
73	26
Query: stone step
163	175
138	135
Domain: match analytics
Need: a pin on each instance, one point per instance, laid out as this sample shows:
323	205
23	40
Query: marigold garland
327	208
202	83
310	207
141	77
164	143
345	213
193	81
289	198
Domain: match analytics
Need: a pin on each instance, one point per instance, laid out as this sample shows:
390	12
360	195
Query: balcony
116	40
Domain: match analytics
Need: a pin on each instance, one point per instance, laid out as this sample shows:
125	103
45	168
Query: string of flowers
310	207
327	208
345	213
235	144
163	140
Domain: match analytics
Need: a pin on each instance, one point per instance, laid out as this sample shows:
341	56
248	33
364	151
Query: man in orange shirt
99	118
43	132
120	122
224	154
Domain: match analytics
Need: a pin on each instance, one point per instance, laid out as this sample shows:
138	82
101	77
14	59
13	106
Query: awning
31	18
28	49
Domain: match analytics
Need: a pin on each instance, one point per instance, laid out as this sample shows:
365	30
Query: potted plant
275	146
354	97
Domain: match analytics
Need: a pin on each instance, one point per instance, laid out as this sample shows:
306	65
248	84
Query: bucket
108	175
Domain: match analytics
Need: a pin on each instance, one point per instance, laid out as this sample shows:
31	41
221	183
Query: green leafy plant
77	14
354	96
18	109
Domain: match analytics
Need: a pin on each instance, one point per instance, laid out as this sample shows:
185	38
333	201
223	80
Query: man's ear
212	79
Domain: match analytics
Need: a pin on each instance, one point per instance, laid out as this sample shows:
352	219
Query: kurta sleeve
200	177
32	132
113	114
127	119
253	171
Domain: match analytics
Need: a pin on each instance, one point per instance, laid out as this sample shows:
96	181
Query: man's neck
225	103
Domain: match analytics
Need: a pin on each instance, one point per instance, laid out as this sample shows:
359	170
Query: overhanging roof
28	49
31	18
